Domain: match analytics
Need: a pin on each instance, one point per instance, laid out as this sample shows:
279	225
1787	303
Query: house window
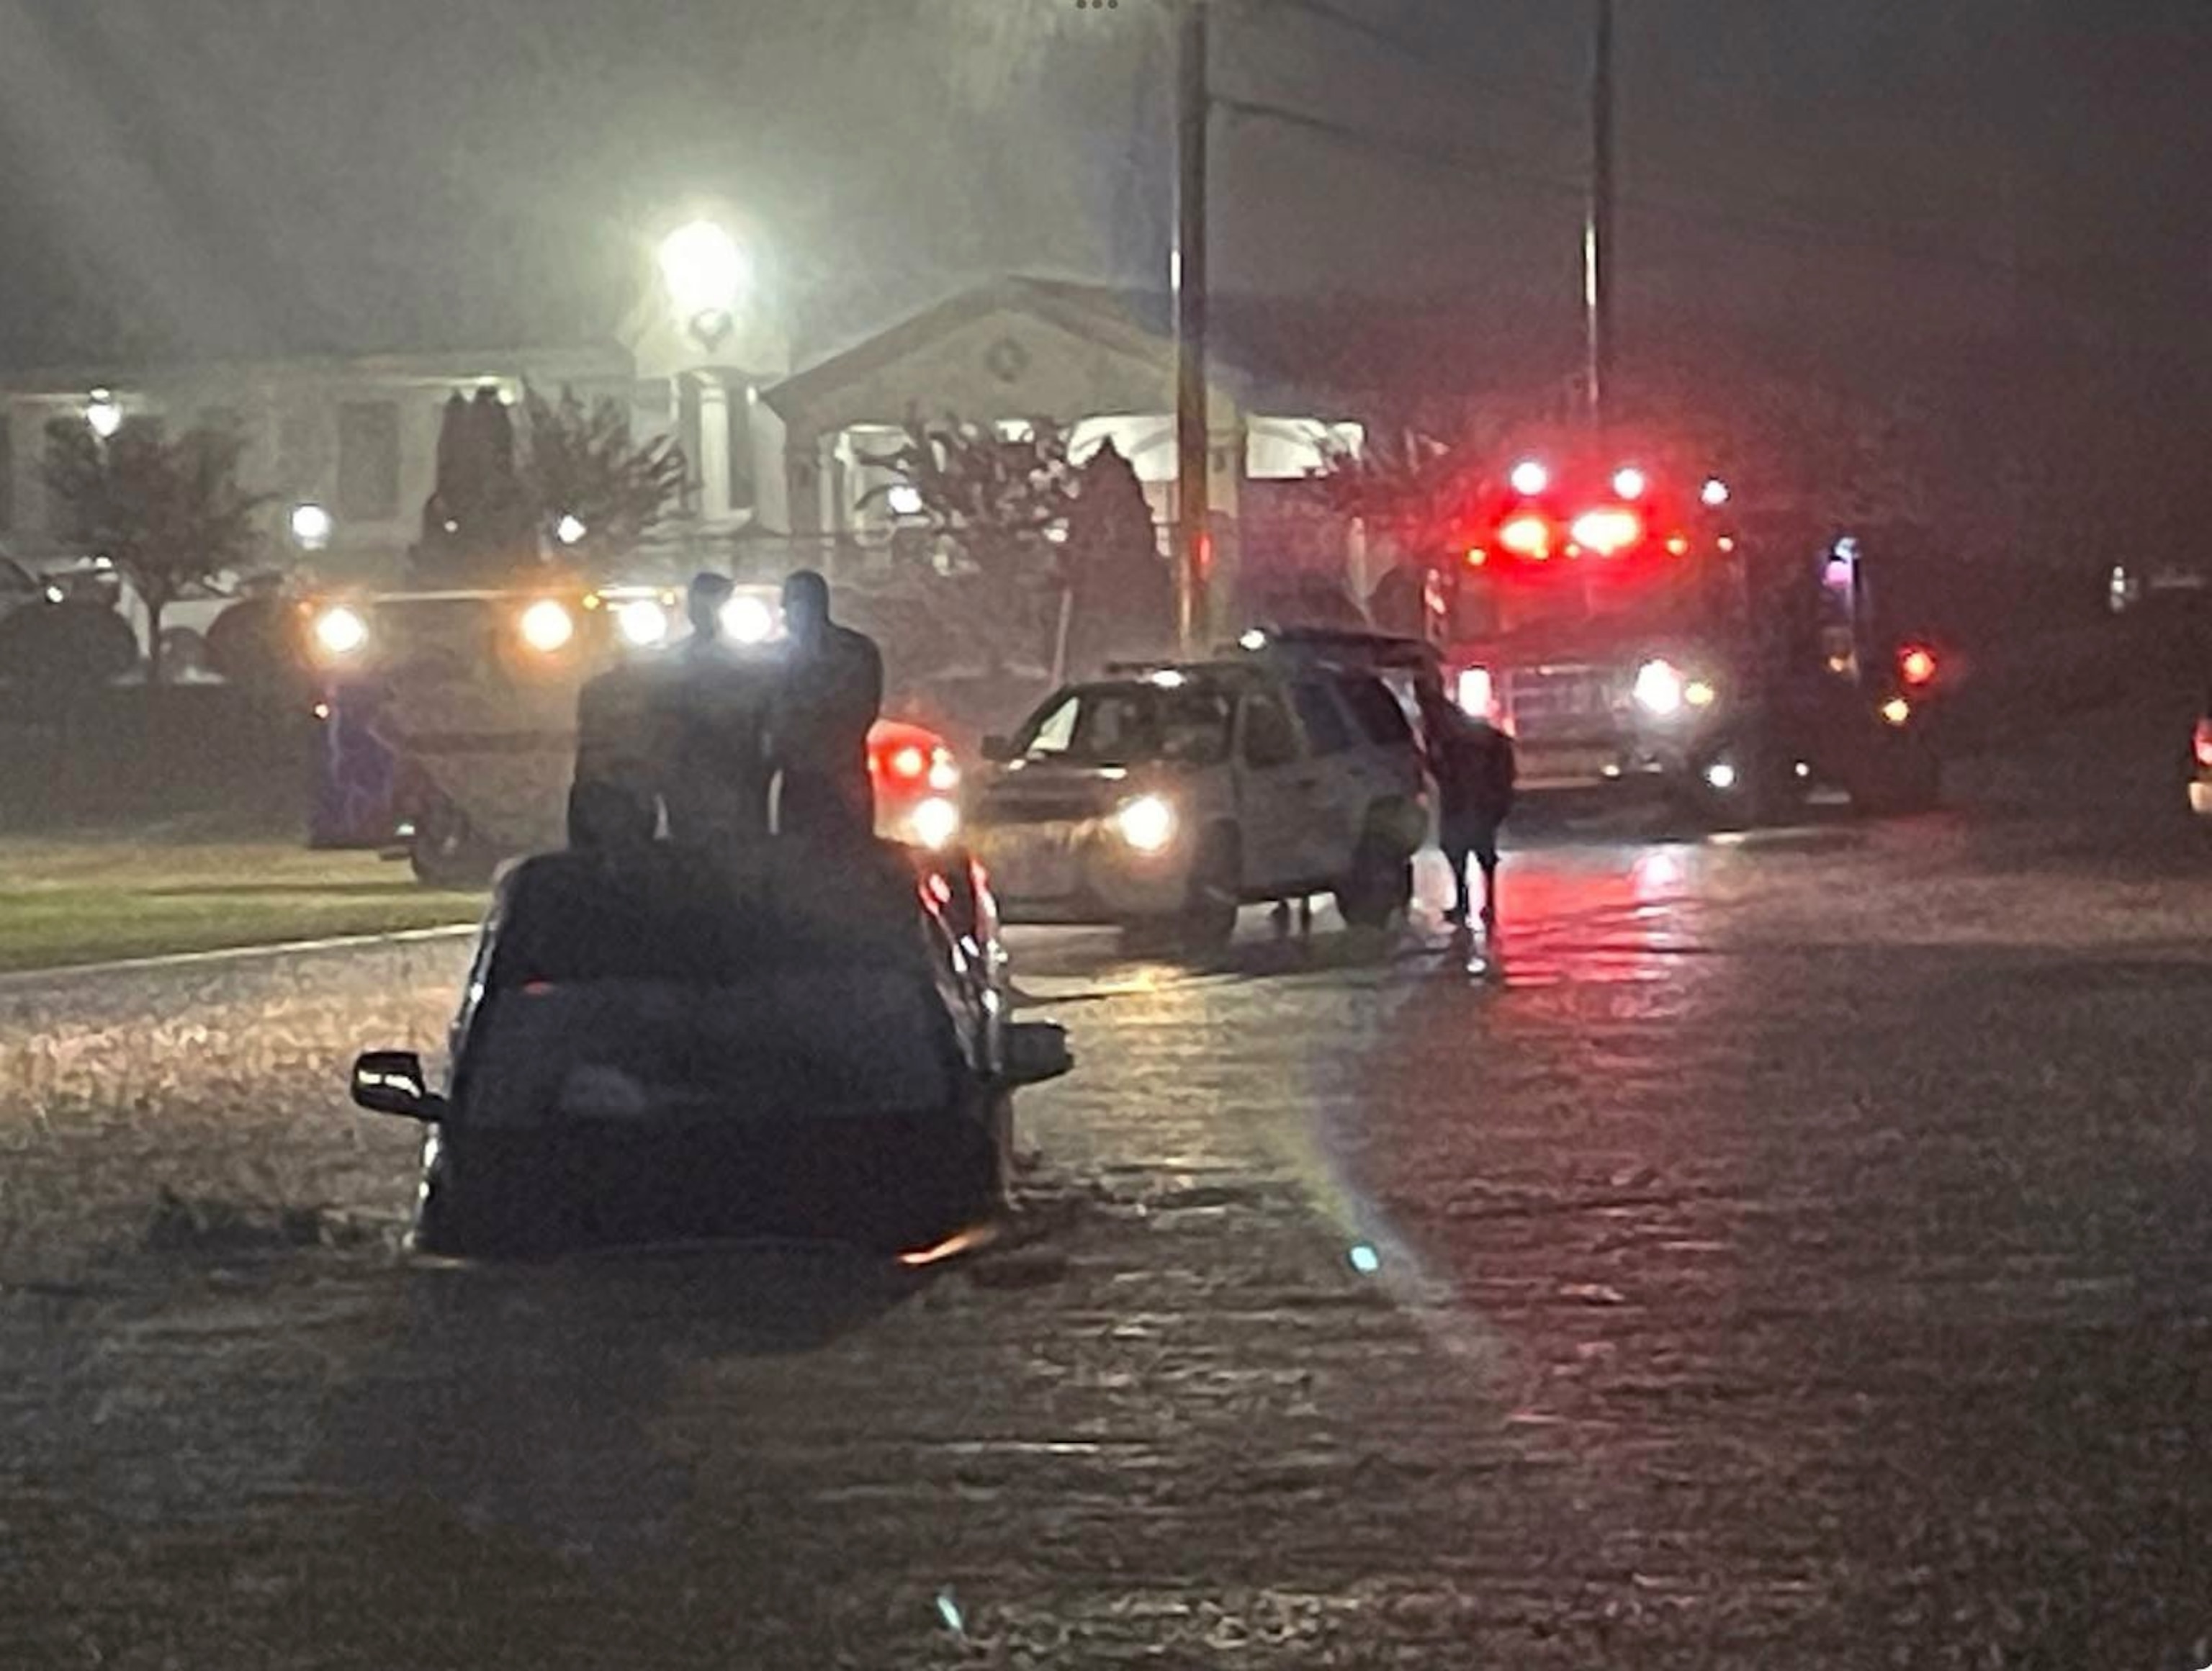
368	461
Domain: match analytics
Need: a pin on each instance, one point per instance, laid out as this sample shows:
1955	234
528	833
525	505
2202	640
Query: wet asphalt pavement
1789	1250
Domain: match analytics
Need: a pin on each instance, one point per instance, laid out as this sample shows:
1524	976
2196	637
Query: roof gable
1018	348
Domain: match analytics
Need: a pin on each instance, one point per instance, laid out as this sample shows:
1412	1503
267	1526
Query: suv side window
1326	728
1381	717
1270	739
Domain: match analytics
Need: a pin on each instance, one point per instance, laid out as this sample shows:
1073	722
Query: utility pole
1597	229
1193	538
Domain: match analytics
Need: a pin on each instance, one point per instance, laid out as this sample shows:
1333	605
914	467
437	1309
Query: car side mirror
998	749
1031	1052
392	1082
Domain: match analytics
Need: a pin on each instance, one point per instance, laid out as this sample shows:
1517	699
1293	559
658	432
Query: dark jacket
1473	763
828	701
712	710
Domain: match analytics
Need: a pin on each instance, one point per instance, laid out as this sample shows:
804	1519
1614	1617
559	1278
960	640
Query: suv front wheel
1381	883
1217	882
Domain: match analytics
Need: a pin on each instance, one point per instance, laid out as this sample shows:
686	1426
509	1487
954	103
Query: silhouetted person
613	803
831	695
1474	765
712	717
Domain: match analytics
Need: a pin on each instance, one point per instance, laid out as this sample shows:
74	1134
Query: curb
16	980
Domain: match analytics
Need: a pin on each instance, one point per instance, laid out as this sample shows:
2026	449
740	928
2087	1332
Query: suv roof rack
1368	648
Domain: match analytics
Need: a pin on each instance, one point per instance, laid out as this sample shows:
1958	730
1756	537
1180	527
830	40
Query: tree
1002	501
1400	484
1123	599
584	464
171	514
479	521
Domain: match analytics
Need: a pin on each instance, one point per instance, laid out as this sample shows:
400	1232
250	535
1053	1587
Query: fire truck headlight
1146	823
340	632
748	620
1609	531
642	622
1659	689
546	626
934	821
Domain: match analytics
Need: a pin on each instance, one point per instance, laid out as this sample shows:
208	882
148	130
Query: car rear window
1326	728
1382	721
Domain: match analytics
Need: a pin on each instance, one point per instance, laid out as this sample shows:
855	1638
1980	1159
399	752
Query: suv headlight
1147	823
1659	689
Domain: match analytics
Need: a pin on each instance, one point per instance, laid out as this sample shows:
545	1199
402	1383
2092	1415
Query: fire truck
448	717
1636	631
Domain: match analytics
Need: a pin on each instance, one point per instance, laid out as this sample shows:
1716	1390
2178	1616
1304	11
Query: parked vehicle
449	718
1162	800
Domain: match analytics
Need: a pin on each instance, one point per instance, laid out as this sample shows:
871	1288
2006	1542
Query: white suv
1167	797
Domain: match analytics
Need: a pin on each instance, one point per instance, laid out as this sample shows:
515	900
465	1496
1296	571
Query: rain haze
738	929
219	176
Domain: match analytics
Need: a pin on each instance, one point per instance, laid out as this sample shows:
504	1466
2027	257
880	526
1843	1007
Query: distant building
778	459
357	436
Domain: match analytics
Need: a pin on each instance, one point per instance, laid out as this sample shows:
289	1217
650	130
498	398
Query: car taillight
2204	744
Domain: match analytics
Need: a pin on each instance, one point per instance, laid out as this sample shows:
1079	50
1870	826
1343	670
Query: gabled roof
1090	311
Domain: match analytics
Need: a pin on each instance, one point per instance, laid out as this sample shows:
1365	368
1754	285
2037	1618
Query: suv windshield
1129	725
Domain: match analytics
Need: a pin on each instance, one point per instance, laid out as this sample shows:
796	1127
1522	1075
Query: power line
1461	163
1411	53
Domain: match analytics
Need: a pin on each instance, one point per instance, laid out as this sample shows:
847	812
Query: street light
704	273
104	413
311	527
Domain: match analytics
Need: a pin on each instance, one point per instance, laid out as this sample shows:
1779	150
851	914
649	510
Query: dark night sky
237	175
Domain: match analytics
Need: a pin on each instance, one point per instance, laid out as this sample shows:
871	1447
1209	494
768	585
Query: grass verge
94	900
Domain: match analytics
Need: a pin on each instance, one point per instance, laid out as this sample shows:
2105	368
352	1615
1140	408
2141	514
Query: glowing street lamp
706	274
103	414
311	527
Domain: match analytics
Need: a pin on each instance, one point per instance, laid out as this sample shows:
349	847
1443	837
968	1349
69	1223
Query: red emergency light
1916	666
2203	744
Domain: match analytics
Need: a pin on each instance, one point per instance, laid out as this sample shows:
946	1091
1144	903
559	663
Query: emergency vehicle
1634	630
449	718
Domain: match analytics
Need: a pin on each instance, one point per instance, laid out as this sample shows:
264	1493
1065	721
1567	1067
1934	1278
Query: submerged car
675	1045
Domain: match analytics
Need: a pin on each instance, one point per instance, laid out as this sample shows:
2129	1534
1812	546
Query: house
781	459
351	442
1018	351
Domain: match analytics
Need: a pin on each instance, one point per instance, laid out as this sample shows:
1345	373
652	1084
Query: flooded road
1791	1249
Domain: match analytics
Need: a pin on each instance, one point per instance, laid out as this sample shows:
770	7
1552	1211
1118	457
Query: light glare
341	631
547	626
1146	823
